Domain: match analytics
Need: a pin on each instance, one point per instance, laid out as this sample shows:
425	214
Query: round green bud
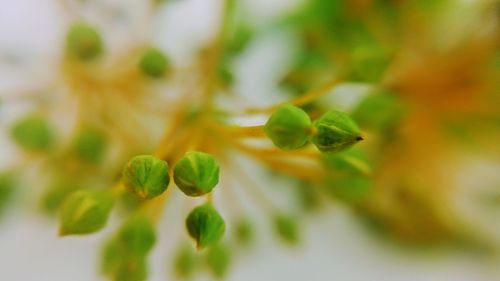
85	211
197	173
83	42
379	111
111	256
218	260
90	144
335	131
289	127
244	232
185	262
137	237
33	133
205	225
154	63
352	190
287	229
146	176
131	270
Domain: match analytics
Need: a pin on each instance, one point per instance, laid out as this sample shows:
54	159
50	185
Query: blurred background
436	181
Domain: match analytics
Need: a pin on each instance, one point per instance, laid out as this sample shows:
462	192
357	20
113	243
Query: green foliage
289	127
85	211
146	176
335	131
90	144
205	225
287	229
197	173
369	62
154	63
379	111
33	133
84	42
218	259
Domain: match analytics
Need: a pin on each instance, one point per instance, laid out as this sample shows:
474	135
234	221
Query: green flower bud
132	270
7	188
351	190
205	225
146	176
335	131
218	260
55	195
287	229
90	144
378	111
137	237
84	42
154	63
352	161
33	133
185	262
244	232
85	211
196	174
111	256
307	196
289	127
369	63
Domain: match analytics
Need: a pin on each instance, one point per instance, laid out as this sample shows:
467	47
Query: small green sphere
84	42
90	144
289	127
154	63
197	173
85	211
146	176
335	131
205	225
219	260
287	229
137	237
33	133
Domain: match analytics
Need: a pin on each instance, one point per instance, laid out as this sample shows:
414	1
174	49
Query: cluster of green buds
289	127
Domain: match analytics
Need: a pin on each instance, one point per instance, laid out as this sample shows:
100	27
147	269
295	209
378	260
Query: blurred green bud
197	173
307	196
287	229
137	236
154	63
85	211
205	225
146	176
289	127
84	42
369	62
33	133
111	256
351	190
244	232
90	144
335	131
351	161
226	77
378	111
185	262
7	188
55	195
218	260
132	270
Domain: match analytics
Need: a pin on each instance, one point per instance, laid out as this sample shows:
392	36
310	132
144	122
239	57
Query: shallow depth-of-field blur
417	199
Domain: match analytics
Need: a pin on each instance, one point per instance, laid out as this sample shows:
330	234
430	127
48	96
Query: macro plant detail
143	128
